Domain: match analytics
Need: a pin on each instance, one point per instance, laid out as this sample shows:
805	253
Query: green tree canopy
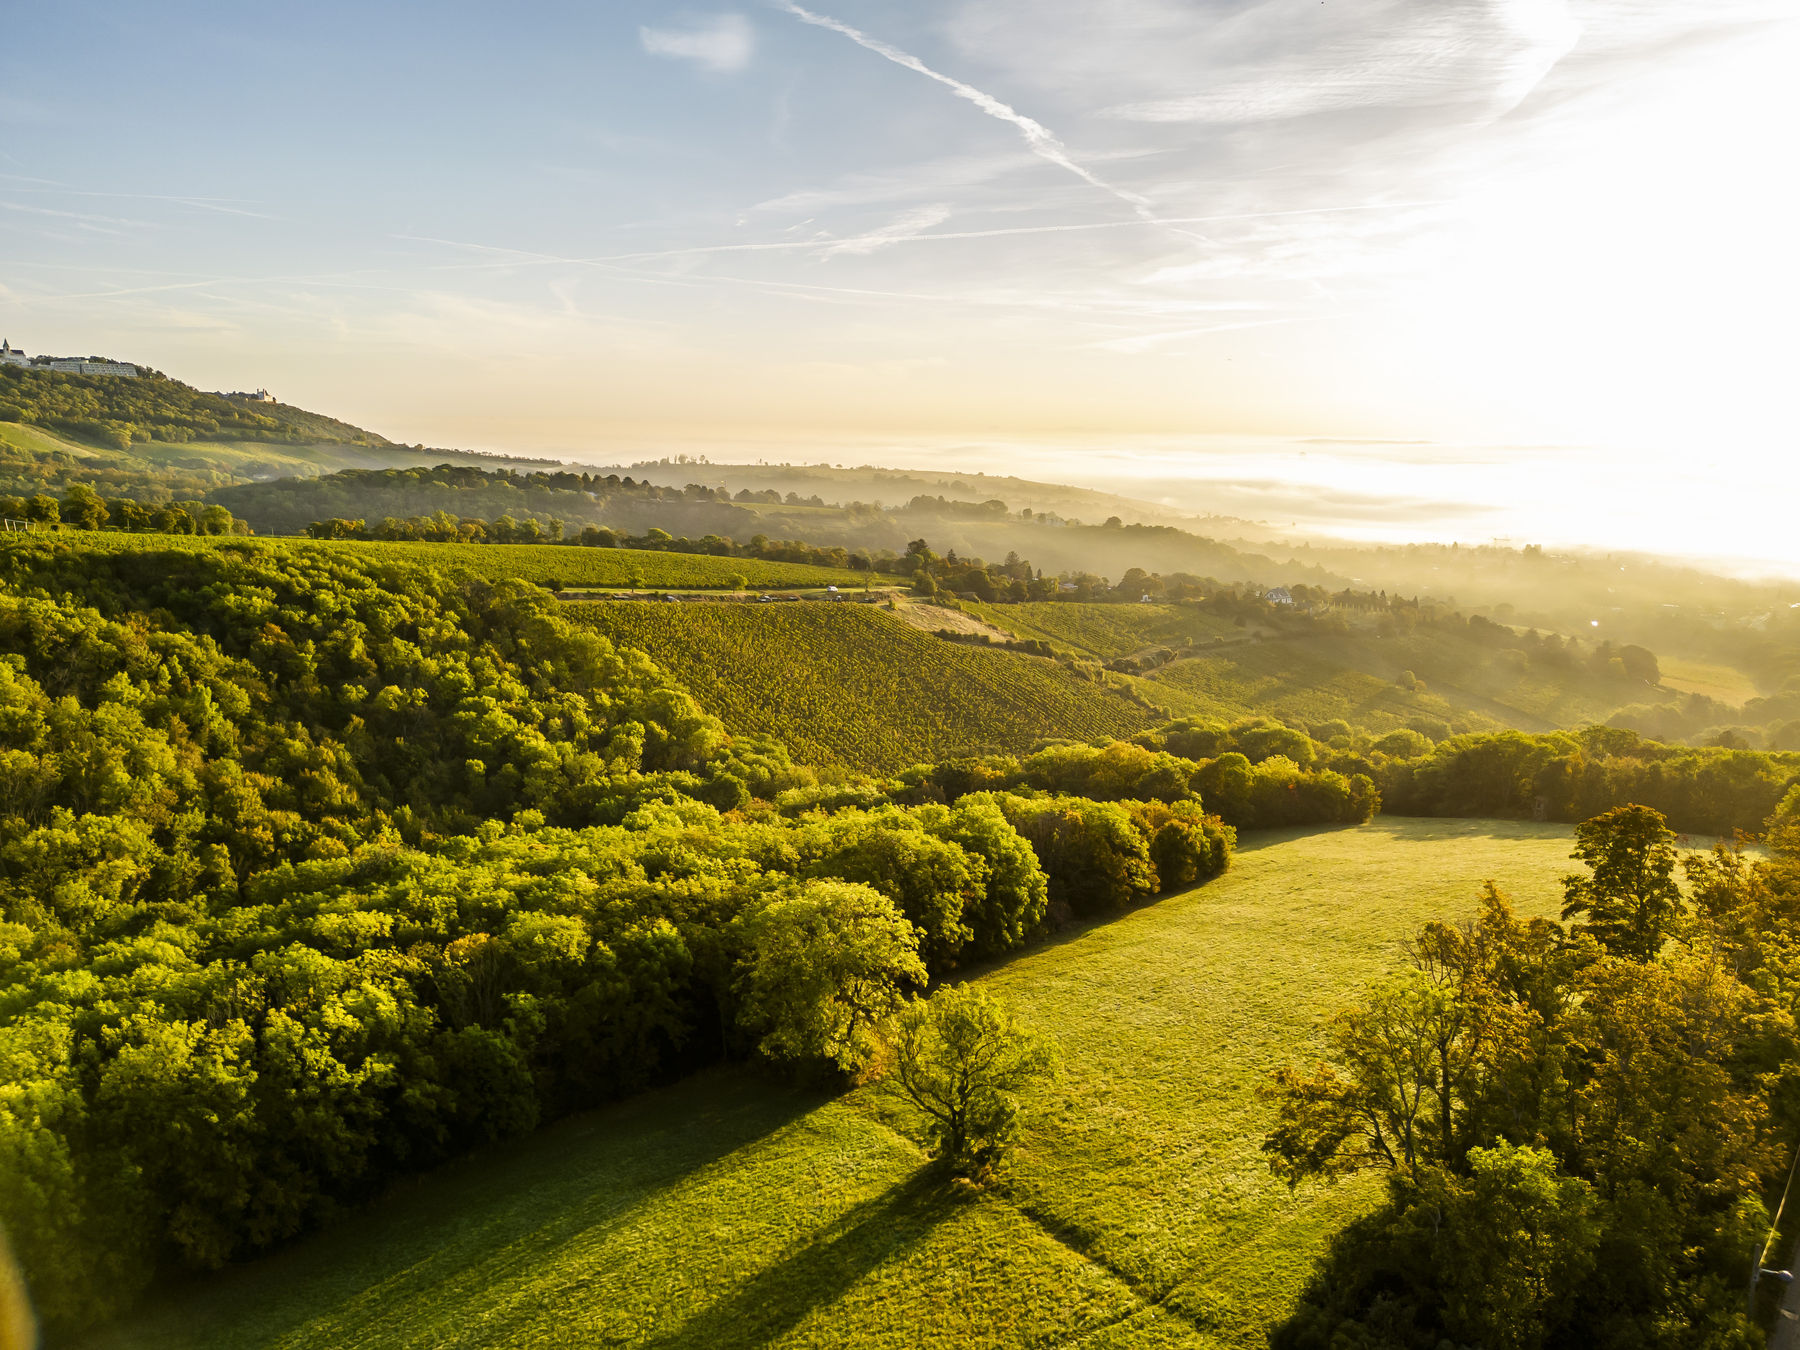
960	1058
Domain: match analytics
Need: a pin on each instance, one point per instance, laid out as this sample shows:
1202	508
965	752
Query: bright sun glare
1632	284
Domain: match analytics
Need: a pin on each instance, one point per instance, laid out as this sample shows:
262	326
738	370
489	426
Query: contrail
1042	141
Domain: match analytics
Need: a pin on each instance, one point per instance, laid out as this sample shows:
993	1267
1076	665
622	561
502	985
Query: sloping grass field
851	684
728	1212
1725	683
566	564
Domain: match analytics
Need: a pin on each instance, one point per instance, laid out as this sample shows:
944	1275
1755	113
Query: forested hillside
155	439
315	869
117	412
318	866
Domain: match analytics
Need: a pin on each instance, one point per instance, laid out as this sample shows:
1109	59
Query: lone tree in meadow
959	1057
1630	901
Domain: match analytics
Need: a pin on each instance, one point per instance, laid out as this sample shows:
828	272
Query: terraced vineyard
1292	681
1108	631
563	564
1311	679
848	684
1466	685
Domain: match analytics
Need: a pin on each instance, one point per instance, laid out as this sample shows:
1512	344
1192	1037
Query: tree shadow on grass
501	1210
1254	841
817	1272
1438	829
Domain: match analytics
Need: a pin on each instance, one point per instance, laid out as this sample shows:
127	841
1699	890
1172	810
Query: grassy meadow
1725	683
729	1212
851	684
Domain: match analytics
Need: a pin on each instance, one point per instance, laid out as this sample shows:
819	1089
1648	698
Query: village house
67	365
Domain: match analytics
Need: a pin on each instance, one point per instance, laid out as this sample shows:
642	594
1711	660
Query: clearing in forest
727	1212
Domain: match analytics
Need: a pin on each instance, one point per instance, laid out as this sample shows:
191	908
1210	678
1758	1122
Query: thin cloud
909	226
1490	55
18	182
1042	141
719	42
888	235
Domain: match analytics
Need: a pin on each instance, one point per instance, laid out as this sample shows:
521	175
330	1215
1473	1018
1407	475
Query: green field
565	563
728	1212
1725	683
850	684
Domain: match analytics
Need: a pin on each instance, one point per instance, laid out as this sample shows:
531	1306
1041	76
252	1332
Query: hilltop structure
68	365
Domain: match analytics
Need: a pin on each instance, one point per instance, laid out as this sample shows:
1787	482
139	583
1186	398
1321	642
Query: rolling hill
850	684
156	438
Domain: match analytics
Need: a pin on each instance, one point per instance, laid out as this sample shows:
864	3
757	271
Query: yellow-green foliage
849	684
727	1213
115	411
565	563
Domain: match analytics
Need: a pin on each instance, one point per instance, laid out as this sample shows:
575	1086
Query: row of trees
1558	776
1578	1121
1569	776
422	497
1259	773
928	572
84	509
1272	789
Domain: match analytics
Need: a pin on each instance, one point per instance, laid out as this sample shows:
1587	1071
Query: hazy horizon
1491	268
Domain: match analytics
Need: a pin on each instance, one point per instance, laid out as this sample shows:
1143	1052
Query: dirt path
932	618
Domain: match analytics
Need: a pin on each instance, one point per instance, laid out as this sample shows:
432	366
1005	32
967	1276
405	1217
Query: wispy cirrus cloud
1487	55
718	42
909	226
1043	143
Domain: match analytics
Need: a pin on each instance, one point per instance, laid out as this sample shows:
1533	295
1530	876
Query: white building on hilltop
68	365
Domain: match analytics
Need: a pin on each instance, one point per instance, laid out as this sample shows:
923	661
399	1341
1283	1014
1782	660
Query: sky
1395	267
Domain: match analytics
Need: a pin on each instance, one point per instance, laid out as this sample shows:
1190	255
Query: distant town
85	365
72	365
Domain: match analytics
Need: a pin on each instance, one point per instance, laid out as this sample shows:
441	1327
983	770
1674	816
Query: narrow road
1786	1334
